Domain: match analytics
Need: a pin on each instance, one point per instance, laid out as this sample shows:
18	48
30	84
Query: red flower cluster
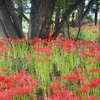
17	84
45	50
95	70
73	77
94	83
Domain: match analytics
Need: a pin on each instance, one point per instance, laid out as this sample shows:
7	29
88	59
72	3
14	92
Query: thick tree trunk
8	20
14	18
41	14
3	31
7	24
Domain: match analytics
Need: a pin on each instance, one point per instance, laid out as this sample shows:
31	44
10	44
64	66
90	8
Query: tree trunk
87	10
41	14
14	18
57	18
20	12
80	13
65	16
3	31
96	15
8	20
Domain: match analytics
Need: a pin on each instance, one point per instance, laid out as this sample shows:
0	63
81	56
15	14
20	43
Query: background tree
12	13
97	3
9	22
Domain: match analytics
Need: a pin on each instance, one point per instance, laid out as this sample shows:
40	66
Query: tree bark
57	18
6	22
20	12
96	13
65	16
2	30
87	10
80	13
41	14
14	18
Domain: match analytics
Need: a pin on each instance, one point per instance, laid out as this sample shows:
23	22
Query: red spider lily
73	77
64	97
29	60
40	59
84	89
74	98
35	82
95	31
4	69
28	56
3	49
47	60
22	40
22	80
35	40
16	84
48	51
6	40
69	44
78	70
1	43
13	41
23	72
98	58
68	50
84	84
62	93
50	38
58	44
23	91
95	70
45	50
6	95
86	55
92	62
3	78
94	83
48	99
55	85
92	98
94	48
18	40
9	56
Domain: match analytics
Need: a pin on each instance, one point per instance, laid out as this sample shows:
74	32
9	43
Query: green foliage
60	4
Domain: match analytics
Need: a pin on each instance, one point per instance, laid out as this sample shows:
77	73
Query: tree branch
87	10
25	18
65	16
